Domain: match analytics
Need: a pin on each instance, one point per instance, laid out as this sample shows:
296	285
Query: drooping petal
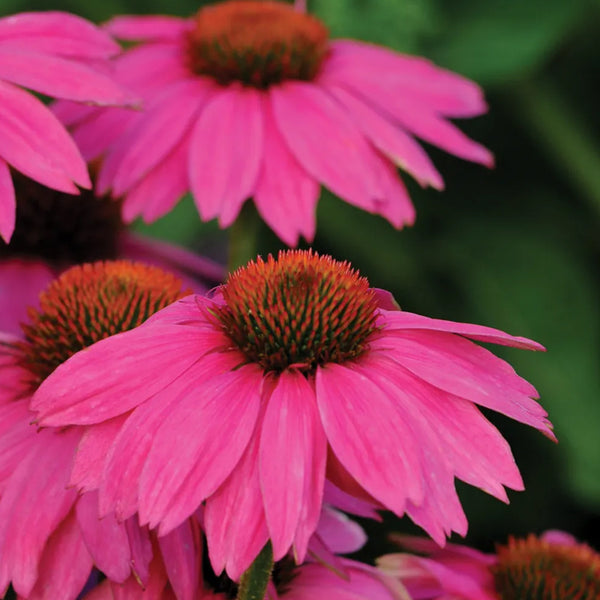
363	428
148	27
106	539
286	195
35	143
226	151
172	490
57	32
326	142
292	463
340	533
65	565
8	203
60	77
234	517
160	129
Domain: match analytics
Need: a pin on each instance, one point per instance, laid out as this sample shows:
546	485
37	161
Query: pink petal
182	559
337	498
234	518
141	550
60	77
226	152
172	490
405	320
292	463
340	534
158	192
325	141
105	539
35	143
92	452
98	391
15	435
401	148
386	75
286	195
148	27
65	565
34	502
363	428
56	33
468	371
8	203
156	134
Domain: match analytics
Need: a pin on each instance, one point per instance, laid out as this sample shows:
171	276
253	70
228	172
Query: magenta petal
141	550
35	143
286	195
159	130
34	502
400	147
57	33
60	77
363	428
226	151
65	565
326	142
292	456
234	518
340	533
8	203
98	391
181	471
182	559
105	539
147	27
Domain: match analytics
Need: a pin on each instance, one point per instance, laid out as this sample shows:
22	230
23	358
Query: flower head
293	369
250	98
51	536
55	231
553	566
49	53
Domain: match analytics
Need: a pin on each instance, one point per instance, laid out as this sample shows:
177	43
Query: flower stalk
253	585
243	237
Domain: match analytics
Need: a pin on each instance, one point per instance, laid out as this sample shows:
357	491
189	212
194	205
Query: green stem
243	237
564	138
253	585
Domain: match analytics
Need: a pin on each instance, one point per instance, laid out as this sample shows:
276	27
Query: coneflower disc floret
299	310
256	42
535	569
91	302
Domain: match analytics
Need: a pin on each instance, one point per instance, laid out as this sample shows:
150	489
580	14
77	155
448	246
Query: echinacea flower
252	99
51	536
55	231
294	369
553	566
51	53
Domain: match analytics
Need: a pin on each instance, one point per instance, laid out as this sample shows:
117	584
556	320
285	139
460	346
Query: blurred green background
516	247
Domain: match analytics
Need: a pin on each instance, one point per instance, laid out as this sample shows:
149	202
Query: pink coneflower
553	566
252	99
295	367
55	230
50	53
51	536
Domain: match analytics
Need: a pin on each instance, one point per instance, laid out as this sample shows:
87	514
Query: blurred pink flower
55	230
293	369
52	53
271	111
554	566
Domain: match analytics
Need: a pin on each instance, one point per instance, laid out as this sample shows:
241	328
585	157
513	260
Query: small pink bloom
293	369
271	112
553	566
55	54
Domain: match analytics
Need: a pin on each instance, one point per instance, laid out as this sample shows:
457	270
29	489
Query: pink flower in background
271	111
294	369
55	230
553	566
51	53
50	535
